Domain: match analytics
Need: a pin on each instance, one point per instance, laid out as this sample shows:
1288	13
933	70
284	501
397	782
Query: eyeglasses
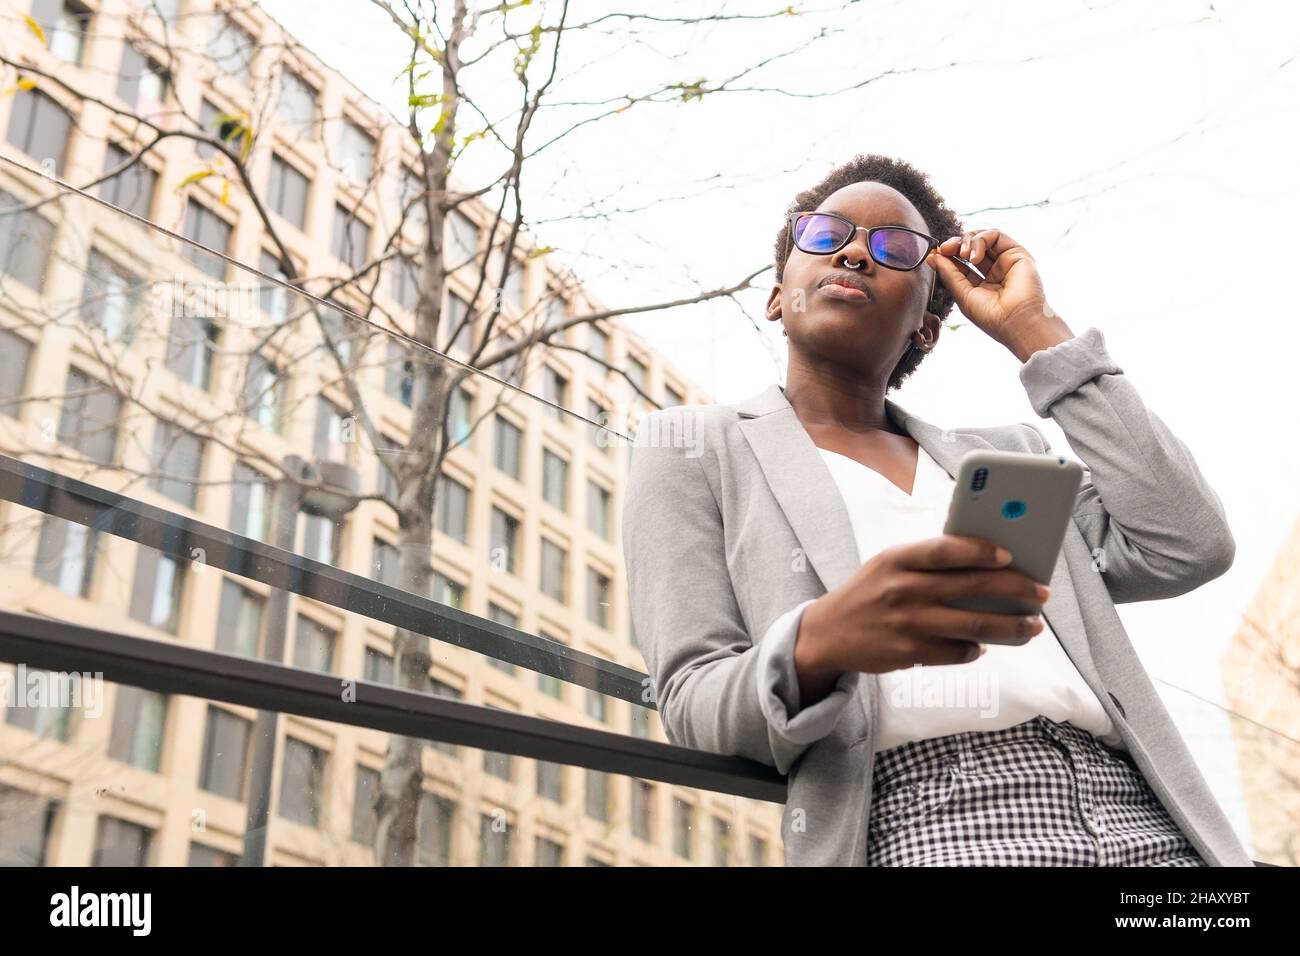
894	247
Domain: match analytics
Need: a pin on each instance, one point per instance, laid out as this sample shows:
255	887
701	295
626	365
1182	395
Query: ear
773	309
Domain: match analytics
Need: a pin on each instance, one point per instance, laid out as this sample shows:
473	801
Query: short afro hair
941	222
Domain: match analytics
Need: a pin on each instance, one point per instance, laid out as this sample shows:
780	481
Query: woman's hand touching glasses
1008	303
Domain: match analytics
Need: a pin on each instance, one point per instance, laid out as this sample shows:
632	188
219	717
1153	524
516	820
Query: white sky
1144	153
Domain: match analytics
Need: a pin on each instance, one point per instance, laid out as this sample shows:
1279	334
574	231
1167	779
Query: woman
788	576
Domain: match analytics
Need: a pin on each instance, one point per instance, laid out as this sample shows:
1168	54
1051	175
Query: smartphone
1022	501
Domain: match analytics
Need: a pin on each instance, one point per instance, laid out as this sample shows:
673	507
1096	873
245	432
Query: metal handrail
182	538
175	668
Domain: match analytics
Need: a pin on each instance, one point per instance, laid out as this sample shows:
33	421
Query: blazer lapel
806	492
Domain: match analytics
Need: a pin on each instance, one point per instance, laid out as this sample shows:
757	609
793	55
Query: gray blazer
732	519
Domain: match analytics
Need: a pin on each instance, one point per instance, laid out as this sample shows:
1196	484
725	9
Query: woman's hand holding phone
891	613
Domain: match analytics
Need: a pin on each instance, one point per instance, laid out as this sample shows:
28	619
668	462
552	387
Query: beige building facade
110	371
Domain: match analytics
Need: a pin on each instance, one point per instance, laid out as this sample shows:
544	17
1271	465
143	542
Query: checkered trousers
1041	793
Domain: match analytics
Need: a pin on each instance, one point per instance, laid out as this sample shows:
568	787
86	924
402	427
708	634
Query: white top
1009	684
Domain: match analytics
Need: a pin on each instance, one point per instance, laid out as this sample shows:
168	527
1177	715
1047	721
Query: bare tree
444	84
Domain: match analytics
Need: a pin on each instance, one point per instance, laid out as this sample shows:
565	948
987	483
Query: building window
65	555
231	48
494	841
178	460
26	241
502	616
548	852
139	717
463	235
436	817
446	591
273	299
557	311
250	503
357	152
264	393
497	764
29	824
550	780
205	227
414	208
120	843
513	293
191	347
388	460
404	275
453	508
351	238
643	794
378	667
142	83
365	817
721	842
225	753
110	300
554	570
225	127
460	416
598	509
332	432
301	781
313	645
39	126
90	415
157	590
598	433
509	442
286	192
757	850
459	322
550	686
297	105
555	479
673	397
51	720
505	536
15	357
443	689
321	538
597	705
598	795
65	24
598	346
203	855
683	827
555	389
636	372
385	563
131	189
399	373
239	620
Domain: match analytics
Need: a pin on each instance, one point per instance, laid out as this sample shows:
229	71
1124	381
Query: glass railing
202	465
282	586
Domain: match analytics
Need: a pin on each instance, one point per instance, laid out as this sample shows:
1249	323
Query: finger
942	586
950	274
937	651
950	551
987	627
